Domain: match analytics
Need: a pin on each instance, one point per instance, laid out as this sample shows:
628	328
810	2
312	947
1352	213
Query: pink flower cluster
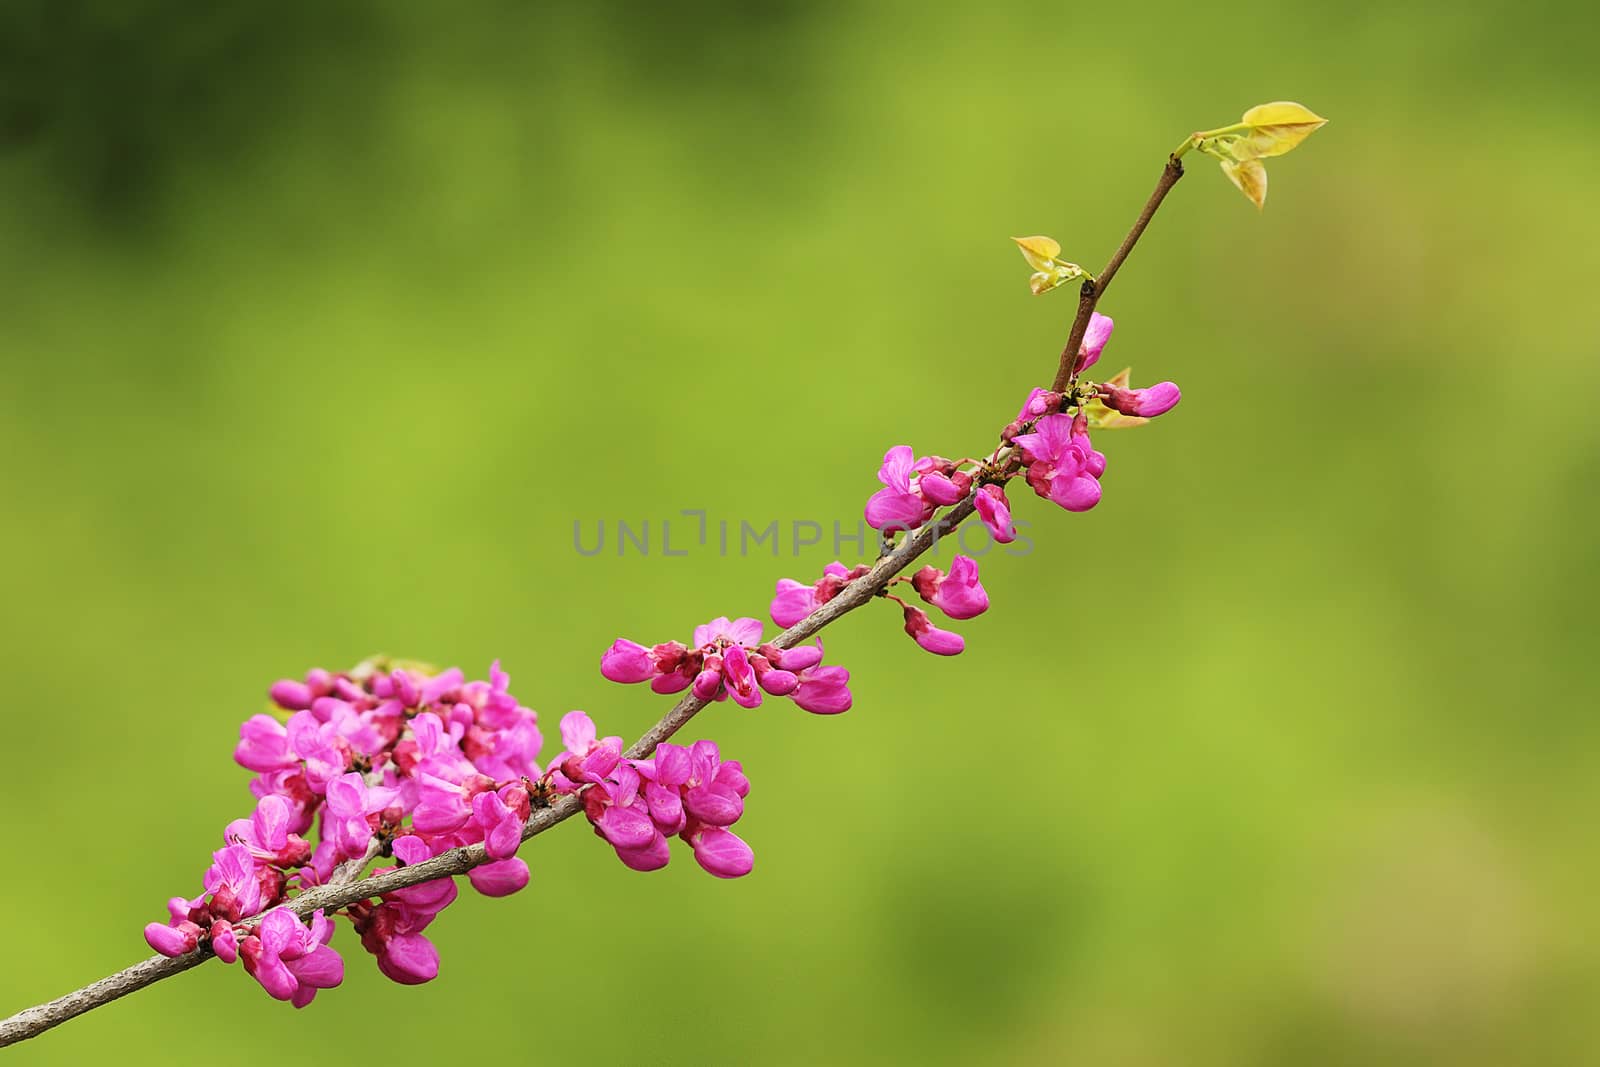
728	659
401	763
1052	433
913	489
636	804
959	594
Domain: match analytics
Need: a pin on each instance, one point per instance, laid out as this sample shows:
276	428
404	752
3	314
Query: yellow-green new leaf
1045	280
1251	179
1276	128
1039	251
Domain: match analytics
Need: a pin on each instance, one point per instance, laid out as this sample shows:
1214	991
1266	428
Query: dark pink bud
942	490
668	655
799	658
722	852
172	940
731	774
995	511
1145	403
627	662
628	827
824	691
651	857
223	941
779	683
667	684
930	637
290	695
713	803
498	879
706	684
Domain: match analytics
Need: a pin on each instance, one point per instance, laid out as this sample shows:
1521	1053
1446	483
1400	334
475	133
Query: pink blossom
174	939
1062	466
793	600
500	878
721	851
290	960
930	637
266	834
627	662
1094	341
264	745
431	762
995	511
500	824
958	594
344	818
896	505
1145	403
291	695
728	658
823	690
942	489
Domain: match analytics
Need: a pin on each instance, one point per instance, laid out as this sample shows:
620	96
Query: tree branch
337	894
1091	292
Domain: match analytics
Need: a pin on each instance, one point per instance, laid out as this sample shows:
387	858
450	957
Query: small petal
499	879
627	662
723	853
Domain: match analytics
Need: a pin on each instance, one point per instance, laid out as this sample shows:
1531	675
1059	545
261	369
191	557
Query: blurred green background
322	326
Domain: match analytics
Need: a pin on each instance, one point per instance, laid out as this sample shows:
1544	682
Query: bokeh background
322	325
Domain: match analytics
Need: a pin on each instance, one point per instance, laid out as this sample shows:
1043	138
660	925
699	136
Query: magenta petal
1075	494
667	684
651	857
410	959
274	976
940	642
498	879
627	662
723	853
172	941
731	774
628	827
713	803
1094	340
322	968
672	764
938	489
778	682
706	684
280	931
892	508
898	462
290	695
800	658
995	511
666	806
1157	400
502	840
411	850
792	602
577	731
224	942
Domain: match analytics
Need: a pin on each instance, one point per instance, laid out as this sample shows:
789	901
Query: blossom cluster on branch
406	762
399	761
